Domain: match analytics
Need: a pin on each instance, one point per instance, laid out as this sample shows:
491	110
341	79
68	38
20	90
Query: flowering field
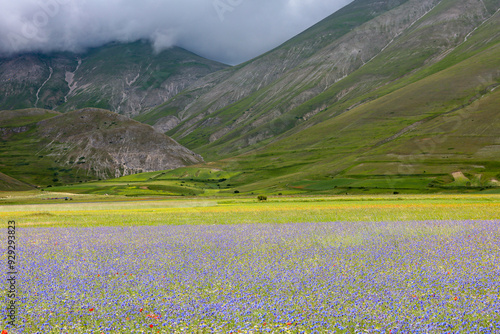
134	212
435	276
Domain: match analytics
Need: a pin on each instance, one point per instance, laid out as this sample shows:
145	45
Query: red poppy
140	310
91	309
151	326
288	323
4	332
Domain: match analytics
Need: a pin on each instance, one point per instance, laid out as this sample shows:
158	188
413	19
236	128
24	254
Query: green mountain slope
320	73
433	135
421	115
416	138
238	91
43	147
9	184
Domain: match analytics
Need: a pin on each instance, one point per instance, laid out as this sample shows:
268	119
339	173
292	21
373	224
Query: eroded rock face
32	80
110	145
166	123
125	78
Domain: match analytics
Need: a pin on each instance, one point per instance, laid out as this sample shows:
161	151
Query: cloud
230	31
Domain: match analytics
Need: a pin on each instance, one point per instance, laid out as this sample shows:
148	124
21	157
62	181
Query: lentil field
309	265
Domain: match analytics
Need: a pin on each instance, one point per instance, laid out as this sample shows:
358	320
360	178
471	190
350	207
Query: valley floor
337	264
81	210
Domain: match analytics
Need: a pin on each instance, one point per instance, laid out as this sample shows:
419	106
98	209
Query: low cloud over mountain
229	31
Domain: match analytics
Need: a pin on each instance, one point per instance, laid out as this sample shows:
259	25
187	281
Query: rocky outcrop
34	80
5	133
166	123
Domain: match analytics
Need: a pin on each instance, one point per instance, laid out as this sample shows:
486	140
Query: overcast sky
229	31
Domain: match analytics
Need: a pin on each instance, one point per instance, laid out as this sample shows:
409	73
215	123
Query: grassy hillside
359	54
20	147
47	148
412	56
412	138
218	105
433	130
9	184
421	116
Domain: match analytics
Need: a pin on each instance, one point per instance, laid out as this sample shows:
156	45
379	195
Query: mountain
379	96
364	46
43	147
127	78
266	88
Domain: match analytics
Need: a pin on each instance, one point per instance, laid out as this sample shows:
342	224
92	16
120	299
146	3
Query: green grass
17	118
387	183
187	181
8	183
129	189
299	209
208	182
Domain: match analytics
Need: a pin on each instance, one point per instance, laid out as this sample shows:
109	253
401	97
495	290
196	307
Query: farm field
351	264
37	210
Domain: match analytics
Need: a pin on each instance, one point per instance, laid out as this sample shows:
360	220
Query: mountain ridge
127	78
